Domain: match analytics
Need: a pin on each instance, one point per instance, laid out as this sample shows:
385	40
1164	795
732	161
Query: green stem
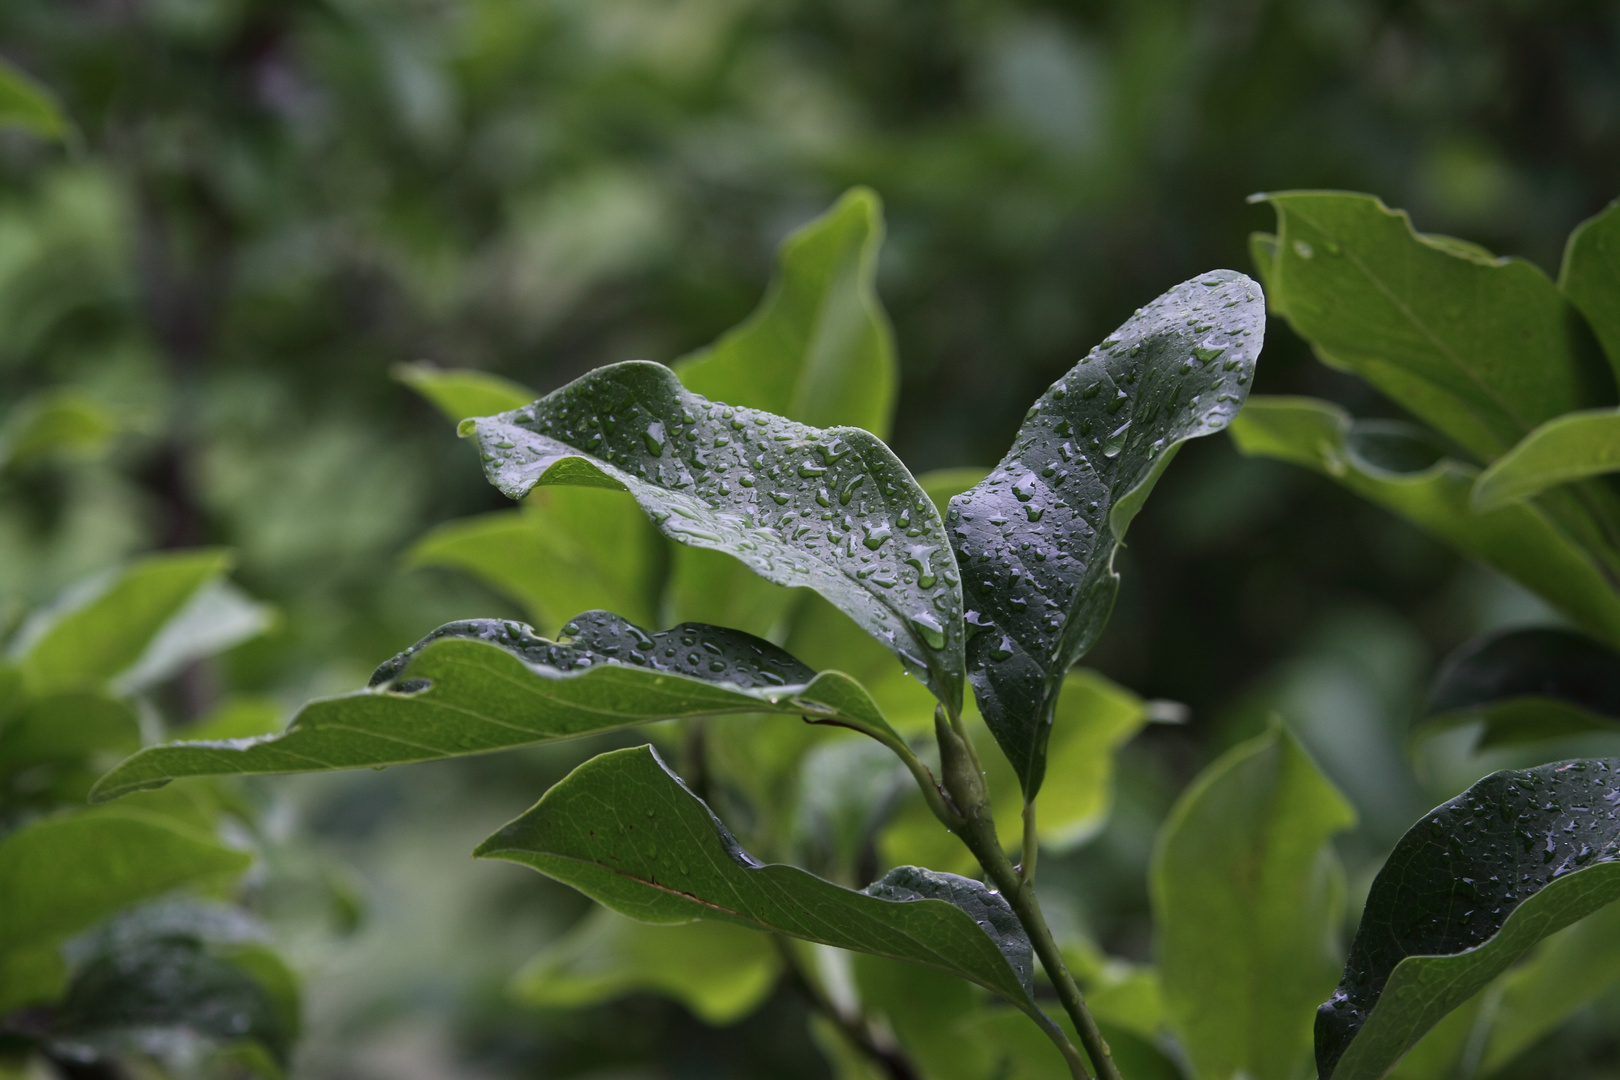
890	1059
1032	844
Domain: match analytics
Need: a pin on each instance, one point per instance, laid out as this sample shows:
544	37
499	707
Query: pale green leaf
1036	539
462	392
62	422
827	509
1394	466
217	617
818	349
1590	277
719	971
484	685
1246	893
1466	892
1567	448
28	104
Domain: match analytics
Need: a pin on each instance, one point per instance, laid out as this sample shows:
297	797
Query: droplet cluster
1033	540
1458	874
712	653
987	907
830	509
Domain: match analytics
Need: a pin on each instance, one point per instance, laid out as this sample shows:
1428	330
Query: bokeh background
267	205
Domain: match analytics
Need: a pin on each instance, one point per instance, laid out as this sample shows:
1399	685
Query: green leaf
62	422
828	509
1466	892
1567	448
217	617
1399	468
566	550
718	971
625	831
103	626
28	104
462	392
1481	348
1036	539
1527	685
60	875
1246	894
818	349
1590	277
31	977
486	684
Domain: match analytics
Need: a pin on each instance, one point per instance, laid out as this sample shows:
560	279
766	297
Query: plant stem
890	1059
1032	844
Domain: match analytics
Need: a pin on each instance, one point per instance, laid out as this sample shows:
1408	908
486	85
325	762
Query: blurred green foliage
260	208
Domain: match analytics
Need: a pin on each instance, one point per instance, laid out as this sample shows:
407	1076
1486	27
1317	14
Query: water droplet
1303	249
930	629
654	436
1002	649
876	535
1116	441
1024	488
1034	514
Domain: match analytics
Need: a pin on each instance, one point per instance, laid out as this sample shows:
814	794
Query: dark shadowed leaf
1527	685
1467	891
462	392
1246	896
828	509
482	685
1036	539
818	349
625	831
1565	449
1400	468
1591	277
1482	348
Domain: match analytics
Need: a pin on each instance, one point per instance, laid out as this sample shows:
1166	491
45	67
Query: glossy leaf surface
1526	685
1590	277
818	349
1482	348
1246	894
827	509
1466	892
1036	539
565	550
625	831
483	685
721	972
105	625
1568	448
462	392
1398	467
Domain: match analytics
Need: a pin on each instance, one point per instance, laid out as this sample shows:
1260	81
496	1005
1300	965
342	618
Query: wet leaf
1402	469
626	832
1036	539
486	684
719	971
1590	277
1527	685
1569	448
1482	348
1246	894
818	349
827	509
1466	892
462	392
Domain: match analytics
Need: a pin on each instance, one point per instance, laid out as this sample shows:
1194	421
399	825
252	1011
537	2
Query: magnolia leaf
1482	348
103	626
1527	685
1590	277
721	972
462	392
1401	468
1567	448
1466	892
625	831
565	550
60	875
486	684
828	509
1036	539
1246	893
28	104
818	349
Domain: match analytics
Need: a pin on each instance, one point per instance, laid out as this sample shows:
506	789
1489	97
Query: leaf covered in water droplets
625	831
827	509
1036	540
1466	892
488	684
